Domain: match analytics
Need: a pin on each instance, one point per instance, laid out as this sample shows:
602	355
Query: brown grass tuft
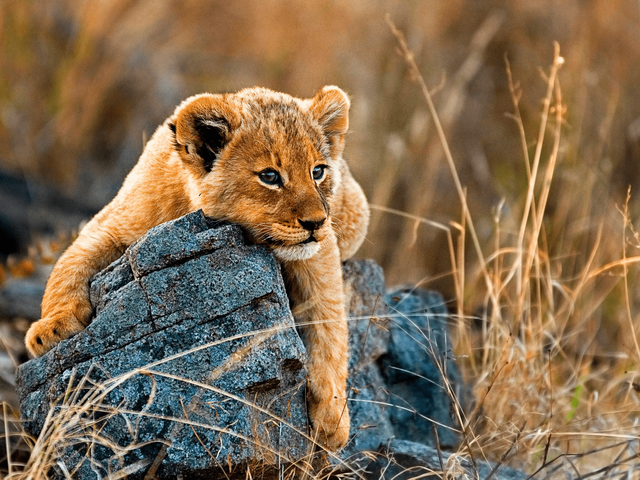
549	399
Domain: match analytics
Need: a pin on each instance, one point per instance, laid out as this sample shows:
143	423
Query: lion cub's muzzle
312	226
300	243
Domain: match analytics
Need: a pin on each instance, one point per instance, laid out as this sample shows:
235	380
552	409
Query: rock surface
404	460
418	359
192	366
193	330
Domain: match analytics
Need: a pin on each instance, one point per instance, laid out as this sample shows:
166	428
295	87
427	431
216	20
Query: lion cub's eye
270	177
318	172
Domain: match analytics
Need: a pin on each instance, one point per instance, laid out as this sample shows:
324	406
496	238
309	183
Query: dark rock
367	309
368	337
21	298
196	366
422	379
192	366
400	353
370	423
404	460
31	209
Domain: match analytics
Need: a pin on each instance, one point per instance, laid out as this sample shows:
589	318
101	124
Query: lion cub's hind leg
351	219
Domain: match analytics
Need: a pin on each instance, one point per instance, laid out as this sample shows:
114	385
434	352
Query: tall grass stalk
545	399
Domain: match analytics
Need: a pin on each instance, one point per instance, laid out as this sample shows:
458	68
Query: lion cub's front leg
315	288
65	306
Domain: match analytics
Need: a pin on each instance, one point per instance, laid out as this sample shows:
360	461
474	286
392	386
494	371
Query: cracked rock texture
192	366
182	306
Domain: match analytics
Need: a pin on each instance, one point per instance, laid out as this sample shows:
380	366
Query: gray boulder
403	380
368	340
191	366
424	384
404	460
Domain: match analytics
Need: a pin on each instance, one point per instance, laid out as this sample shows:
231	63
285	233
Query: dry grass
531	224
79	416
549	399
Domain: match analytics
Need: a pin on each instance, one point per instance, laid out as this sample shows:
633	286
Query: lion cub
269	162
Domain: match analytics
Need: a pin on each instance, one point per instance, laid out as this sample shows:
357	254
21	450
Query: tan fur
215	153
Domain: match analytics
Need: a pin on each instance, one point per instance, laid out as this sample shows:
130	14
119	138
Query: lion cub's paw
48	332
331	423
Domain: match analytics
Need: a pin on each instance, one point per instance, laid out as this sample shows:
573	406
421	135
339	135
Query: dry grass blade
409	58
7	438
531	357
71	421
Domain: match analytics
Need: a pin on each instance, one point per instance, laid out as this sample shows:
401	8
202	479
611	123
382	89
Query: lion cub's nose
313	224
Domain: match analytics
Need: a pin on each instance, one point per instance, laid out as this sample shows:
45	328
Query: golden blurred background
84	83
546	301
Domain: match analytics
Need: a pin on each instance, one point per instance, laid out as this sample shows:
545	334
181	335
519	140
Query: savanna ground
518	201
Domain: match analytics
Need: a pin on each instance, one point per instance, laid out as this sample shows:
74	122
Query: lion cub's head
267	161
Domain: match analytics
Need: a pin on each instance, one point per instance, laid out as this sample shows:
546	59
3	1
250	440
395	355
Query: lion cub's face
267	161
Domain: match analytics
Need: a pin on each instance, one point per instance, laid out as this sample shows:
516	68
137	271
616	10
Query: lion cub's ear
330	108
203	127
